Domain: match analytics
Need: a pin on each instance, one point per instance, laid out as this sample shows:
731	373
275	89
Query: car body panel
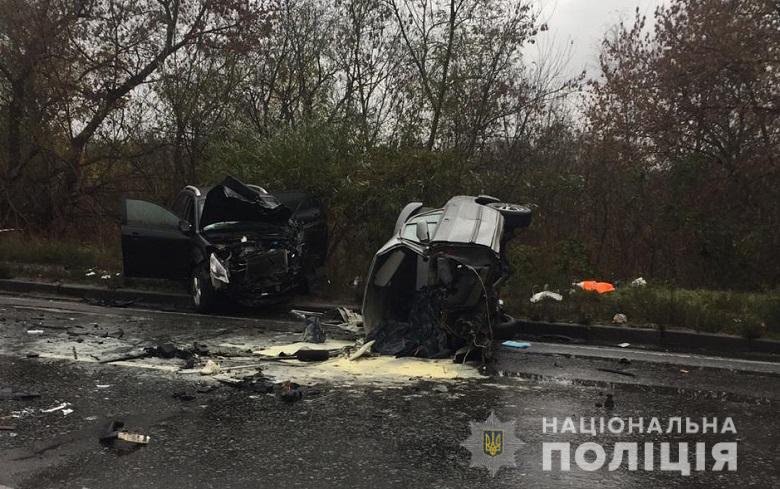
153	245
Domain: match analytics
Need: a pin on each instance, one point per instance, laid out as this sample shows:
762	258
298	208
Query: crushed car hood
232	201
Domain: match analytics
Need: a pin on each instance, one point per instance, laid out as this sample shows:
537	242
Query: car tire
204	297
515	216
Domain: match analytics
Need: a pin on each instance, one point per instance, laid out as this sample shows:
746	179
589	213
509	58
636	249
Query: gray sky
579	26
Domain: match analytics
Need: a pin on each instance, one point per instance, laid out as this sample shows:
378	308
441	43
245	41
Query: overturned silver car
432	289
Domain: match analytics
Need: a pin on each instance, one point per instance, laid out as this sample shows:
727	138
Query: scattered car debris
609	402
309	355
432	288
211	368
115	432
638	282
56	408
546	294
595	286
362	350
619	318
289	391
313	333
517	345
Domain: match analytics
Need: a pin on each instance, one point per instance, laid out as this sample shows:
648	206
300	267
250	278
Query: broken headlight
218	270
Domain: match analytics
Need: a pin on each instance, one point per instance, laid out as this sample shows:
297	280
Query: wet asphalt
341	434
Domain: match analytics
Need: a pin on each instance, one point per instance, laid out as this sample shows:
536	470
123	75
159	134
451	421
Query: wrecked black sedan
432	290
231	241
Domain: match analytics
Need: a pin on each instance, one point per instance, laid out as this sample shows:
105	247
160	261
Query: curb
668	338
689	340
169	300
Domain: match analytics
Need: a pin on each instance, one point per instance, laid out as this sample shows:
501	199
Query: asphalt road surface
379	423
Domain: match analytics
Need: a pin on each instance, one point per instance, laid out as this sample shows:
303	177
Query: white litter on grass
105	277
34	331
639	282
66	412
623	345
103	386
620	319
546	294
90	274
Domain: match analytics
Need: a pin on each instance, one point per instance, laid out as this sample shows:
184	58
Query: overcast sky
580	25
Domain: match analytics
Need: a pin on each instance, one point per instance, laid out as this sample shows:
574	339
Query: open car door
154	244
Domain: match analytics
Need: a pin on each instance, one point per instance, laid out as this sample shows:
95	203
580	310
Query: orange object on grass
599	287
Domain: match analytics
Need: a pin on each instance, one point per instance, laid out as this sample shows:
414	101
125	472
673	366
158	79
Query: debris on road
313	332
211	368
609	403
289	391
115	432
56	408
362	350
546	294
518	345
308	355
352	321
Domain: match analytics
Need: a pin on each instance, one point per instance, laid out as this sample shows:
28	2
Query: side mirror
422	232
185	227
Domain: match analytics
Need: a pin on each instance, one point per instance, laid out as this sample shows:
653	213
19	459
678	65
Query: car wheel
204	297
515	216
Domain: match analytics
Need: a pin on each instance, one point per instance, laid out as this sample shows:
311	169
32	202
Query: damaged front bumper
249	273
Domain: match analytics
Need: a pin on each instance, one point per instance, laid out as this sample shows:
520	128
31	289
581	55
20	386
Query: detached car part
433	287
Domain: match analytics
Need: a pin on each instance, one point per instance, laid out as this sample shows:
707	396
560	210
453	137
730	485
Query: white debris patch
379	369
292	348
